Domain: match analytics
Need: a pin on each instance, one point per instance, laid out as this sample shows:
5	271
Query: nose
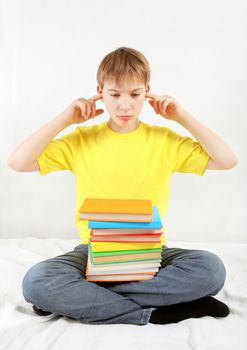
124	104
125	109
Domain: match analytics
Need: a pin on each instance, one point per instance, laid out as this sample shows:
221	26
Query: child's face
124	100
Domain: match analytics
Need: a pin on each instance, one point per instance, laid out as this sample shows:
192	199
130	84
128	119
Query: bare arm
221	156
24	157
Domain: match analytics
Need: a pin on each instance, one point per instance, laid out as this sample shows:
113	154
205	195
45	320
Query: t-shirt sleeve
185	155
59	154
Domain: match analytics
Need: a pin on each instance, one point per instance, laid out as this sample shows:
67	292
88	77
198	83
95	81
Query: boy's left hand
166	106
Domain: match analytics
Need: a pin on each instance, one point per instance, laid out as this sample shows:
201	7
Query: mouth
125	117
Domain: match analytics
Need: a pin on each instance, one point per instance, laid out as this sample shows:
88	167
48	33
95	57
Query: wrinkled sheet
21	328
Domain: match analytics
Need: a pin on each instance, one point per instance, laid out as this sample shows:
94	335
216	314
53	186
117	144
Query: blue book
154	224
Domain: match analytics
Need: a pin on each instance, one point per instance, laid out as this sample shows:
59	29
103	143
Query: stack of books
125	239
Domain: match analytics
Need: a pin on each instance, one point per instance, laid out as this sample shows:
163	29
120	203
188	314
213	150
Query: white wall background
50	51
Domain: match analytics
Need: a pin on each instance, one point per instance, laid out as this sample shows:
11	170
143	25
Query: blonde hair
123	63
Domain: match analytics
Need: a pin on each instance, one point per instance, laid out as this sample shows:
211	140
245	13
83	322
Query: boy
125	158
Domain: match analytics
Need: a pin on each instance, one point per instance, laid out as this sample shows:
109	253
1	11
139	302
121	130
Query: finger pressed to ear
153	96
96	97
91	107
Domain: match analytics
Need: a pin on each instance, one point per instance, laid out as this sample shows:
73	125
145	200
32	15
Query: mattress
21	328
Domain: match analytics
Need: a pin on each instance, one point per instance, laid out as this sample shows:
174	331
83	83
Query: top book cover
110	209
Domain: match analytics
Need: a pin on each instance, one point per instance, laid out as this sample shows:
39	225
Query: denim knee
215	272
31	285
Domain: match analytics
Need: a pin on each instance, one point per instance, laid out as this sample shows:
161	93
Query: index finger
153	96
96	97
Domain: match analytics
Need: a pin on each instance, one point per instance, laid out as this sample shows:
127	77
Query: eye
132	95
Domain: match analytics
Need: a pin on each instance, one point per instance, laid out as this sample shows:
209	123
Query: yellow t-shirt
135	165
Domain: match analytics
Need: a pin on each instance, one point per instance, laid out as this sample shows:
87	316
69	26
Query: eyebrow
131	90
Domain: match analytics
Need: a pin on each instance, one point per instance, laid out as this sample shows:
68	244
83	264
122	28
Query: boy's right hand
82	109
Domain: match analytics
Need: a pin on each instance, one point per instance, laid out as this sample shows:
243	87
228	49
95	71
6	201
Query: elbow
13	164
10	163
231	164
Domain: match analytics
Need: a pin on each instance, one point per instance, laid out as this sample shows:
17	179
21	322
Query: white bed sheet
21	329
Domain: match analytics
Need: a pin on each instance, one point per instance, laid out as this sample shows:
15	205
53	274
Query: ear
99	90
147	90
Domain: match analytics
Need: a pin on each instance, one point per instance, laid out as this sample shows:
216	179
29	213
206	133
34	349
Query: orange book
110	209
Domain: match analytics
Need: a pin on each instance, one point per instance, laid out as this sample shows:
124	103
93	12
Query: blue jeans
58	285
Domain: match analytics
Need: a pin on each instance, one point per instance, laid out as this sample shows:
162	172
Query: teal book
154	224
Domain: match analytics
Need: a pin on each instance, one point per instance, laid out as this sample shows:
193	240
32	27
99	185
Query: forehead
124	85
